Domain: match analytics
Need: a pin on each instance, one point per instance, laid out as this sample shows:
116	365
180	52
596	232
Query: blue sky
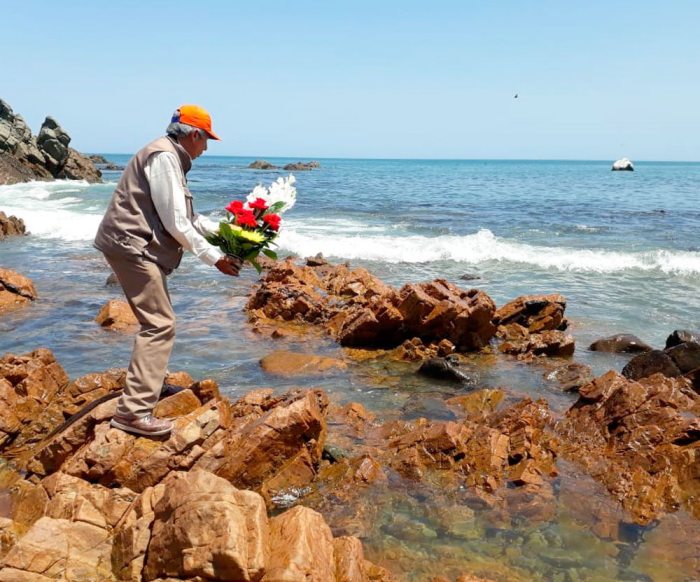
382	79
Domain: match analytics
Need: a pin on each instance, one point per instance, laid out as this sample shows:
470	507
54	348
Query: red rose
246	218
259	204
235	206
272	220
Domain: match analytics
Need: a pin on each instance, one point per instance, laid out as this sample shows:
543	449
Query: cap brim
212	135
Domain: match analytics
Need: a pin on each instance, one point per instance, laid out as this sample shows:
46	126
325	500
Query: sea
622	247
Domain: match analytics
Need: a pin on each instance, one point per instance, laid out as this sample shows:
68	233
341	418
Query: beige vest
131	226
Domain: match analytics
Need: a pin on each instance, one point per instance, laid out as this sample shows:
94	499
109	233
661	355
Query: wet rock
361	311
15	290
287	363
28	384
650	363
117	315
638	439
448	370
536	313
571	377
112	280
547	343
623	343
686	356
681	336
262	165
301	166
11	226
316	261
478	404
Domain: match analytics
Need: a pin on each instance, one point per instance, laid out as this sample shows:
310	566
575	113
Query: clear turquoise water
622	247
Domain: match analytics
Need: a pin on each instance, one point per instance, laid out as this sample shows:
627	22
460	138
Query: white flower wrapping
281	195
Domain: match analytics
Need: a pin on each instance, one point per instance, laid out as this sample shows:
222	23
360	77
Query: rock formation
11	226
15	290
623	164
47	156
358	310
301	166
95	503
640	439
534	325
262	165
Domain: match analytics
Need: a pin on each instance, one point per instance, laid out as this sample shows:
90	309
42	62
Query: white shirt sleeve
168	195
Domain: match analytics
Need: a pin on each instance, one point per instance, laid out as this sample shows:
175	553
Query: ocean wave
483	247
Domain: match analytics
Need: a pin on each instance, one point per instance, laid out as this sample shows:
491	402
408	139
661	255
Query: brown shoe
146	425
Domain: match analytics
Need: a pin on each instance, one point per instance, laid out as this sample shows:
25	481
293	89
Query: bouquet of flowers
252	226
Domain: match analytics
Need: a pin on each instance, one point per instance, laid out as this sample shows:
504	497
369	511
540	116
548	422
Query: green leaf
270	253
257	266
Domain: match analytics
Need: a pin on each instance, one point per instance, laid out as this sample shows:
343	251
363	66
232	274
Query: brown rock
11	226
117	315
547	343
133	534
479	403
536	313
287	363
206	527
349	560
15	290
650	363
361	311
638	439
304	547
250	454
57	549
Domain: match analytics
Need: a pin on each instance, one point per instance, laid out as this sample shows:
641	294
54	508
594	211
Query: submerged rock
446	369
623	343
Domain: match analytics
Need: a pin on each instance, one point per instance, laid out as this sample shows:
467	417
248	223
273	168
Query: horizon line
411	159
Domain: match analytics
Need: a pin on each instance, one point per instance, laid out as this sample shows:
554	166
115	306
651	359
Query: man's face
195	143
200	144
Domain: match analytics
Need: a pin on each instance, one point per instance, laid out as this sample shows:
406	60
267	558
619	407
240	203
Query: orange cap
195	116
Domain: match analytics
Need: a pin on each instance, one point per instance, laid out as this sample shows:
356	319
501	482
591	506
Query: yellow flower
249	235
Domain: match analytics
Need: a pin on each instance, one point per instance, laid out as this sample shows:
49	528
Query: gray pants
146	288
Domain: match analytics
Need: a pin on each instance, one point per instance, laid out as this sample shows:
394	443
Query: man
149	221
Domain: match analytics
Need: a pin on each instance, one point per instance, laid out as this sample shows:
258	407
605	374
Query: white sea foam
52	209
66	211
483	247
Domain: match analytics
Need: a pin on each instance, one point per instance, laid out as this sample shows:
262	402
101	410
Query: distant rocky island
46	156
293	167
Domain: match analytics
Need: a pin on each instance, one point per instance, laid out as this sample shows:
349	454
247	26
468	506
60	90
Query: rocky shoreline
46	156
288	477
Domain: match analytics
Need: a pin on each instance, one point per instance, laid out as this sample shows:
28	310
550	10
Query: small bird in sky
515	96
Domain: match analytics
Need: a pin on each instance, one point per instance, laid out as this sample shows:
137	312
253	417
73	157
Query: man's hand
229	265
